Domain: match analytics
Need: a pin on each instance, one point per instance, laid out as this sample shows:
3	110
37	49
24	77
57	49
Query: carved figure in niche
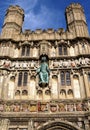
65	63
43	72
73	63
77	62
24	65
56	64
85	106
2	63
12	65
79	107
60	63
17	65
32	65
7	63
82	61
87	61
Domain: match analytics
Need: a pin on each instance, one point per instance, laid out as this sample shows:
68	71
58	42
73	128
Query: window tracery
62	50
65	78
25	51
22	78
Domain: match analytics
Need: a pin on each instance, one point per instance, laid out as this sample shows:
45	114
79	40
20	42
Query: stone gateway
45	74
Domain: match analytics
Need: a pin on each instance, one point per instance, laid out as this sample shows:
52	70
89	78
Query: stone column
76	49
82	85
57	52
31	52
5	124
87	127
86	84
1	85
30	125
59	85
5	86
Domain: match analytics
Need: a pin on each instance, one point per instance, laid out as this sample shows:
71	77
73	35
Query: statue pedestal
43	85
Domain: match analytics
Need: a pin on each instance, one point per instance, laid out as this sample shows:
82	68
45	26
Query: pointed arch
58	125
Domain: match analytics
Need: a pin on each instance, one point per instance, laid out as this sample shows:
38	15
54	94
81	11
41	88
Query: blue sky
43	13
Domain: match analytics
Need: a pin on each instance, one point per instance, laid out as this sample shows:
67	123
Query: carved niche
44	47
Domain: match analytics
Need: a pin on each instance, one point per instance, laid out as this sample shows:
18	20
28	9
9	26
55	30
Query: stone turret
13	22
76	21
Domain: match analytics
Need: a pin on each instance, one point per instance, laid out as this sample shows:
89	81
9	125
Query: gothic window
65	78
62	78
62	50
25	79
89	77
68	81
25	51
22	79
28	51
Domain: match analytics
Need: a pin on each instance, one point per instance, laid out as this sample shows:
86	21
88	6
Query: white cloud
26	5
45	18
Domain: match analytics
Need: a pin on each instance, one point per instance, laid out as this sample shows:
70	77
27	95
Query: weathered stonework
65	103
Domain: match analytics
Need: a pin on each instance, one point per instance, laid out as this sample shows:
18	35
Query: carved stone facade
65	103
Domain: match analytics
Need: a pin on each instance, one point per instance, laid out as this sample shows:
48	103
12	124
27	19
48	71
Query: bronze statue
43	72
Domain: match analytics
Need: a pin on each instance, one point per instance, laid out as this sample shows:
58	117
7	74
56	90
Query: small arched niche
70	94
17	94
62	94
47	94
24	94
39	94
